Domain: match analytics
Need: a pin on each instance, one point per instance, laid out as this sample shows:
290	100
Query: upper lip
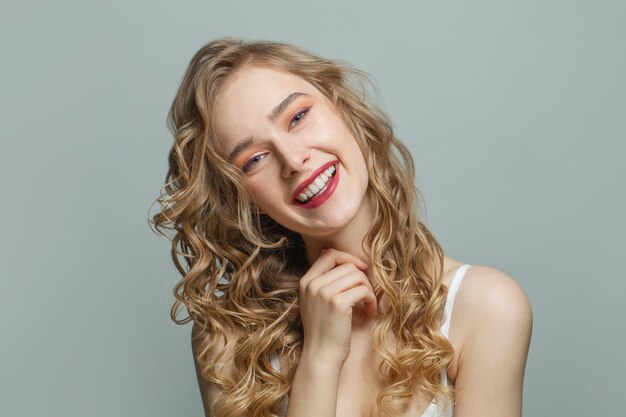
311	178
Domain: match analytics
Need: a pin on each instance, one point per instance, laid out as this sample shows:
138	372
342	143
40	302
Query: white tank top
433	409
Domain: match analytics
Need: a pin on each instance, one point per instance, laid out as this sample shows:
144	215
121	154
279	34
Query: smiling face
300	163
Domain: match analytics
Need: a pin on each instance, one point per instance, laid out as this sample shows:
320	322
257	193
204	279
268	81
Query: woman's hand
329	292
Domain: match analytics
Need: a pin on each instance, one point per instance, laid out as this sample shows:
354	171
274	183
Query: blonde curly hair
240	269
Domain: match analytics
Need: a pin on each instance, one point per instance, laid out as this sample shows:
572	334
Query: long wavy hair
240	269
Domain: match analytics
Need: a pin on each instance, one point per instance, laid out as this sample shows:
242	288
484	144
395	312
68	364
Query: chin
333	224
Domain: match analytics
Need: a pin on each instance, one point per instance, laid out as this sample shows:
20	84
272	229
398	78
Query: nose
293	157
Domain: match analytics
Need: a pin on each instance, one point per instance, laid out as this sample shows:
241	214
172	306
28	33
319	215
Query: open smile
315	190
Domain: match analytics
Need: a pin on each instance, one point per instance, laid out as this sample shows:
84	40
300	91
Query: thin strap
454	287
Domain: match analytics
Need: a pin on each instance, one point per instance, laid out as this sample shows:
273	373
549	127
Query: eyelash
249	163
297	118
302	114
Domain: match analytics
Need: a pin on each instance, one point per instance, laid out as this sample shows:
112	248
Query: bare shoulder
493	324
486	296
490	297
219	355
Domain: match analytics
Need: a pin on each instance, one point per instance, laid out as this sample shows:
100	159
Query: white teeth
317	185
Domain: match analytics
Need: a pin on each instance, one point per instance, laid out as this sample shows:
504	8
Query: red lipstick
319	199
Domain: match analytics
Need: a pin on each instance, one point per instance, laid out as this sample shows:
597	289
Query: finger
344	283
371	305
330	259
339	257
346	300
333	275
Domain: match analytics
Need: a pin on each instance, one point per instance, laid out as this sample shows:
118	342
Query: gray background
514	112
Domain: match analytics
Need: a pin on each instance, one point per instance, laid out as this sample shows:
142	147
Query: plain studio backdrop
515	113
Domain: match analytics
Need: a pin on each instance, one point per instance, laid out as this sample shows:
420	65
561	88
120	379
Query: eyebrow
241	146
274	114
283	105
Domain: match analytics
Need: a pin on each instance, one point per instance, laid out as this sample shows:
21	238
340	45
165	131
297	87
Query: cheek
263	194
255	190
328	126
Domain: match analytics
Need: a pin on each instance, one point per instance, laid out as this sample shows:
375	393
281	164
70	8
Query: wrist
320	362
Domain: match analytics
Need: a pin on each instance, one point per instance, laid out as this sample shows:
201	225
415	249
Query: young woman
313	287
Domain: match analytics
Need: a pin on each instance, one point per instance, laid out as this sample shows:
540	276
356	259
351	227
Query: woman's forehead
260	85
250	94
